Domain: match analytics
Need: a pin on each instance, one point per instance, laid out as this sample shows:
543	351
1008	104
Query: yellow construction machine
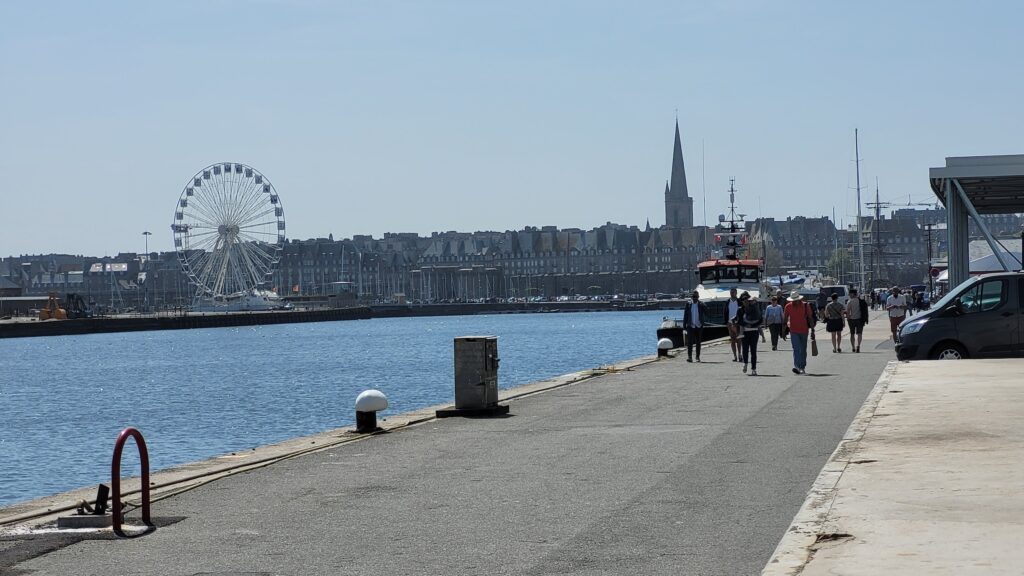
52	310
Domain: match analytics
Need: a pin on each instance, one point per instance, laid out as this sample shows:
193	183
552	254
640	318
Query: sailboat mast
704	193
860	232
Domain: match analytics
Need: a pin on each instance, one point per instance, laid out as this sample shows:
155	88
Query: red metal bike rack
115	477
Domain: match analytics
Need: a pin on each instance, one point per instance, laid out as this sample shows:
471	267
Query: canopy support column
956	214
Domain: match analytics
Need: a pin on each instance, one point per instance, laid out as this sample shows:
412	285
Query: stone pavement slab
927	481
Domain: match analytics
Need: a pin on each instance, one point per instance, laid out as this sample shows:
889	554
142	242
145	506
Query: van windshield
955	293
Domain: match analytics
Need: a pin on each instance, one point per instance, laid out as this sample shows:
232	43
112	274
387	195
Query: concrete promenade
651	468
927	480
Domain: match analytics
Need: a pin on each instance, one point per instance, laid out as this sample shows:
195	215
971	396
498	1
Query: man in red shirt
798	315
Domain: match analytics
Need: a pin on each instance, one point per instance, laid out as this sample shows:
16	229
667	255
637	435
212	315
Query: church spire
678	184
678	204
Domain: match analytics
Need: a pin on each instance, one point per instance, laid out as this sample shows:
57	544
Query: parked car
981	318
844	295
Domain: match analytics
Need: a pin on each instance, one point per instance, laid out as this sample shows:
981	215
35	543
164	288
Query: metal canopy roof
993	184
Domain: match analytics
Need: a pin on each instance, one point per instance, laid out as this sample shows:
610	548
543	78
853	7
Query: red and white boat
729	269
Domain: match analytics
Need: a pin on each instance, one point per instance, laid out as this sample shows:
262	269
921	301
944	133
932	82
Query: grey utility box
476	372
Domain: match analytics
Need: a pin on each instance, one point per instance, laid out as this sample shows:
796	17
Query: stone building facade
533	262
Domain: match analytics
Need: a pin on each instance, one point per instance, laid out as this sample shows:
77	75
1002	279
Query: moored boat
728	270
251	301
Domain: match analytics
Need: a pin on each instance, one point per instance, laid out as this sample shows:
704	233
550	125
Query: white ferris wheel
228	230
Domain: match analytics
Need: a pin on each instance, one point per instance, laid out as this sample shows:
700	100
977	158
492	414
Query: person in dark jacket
773	318
695	314
748	320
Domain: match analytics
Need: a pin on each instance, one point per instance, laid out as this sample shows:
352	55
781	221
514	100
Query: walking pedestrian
731	308
773	318
856	317
799	317
820	303
834	313
896	305
748	318
694	315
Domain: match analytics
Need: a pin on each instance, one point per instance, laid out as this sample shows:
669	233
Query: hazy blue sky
373	117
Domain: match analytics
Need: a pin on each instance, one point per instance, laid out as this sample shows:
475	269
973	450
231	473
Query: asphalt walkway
651	468
865	466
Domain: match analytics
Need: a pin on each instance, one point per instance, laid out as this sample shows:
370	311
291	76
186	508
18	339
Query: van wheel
949	351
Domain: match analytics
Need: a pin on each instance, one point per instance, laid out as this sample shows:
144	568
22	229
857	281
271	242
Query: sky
383	116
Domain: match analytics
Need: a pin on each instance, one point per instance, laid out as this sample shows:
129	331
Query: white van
844	294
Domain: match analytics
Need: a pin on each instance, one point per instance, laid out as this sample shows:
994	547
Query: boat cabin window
730	274
749	274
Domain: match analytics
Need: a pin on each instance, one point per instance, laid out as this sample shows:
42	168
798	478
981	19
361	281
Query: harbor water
199	393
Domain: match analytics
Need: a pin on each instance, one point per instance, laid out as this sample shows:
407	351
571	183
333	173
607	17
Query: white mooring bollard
664	345
368	403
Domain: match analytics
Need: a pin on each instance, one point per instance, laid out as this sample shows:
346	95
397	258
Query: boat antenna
731	244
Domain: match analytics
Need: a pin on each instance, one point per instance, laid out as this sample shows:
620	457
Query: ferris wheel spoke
255	226
237	199
205	239
254	203
222	269
265	213
213	268
198	262
244	268
265	252
260	237
205	266
204	234
262	250
235	202
251	213
202	230
259	254
204	220
253	265
217	198
203	276
203	214
246	196
232	272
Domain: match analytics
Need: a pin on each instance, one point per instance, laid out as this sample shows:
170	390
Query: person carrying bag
799	317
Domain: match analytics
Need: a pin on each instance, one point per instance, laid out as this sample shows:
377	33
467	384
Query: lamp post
145	289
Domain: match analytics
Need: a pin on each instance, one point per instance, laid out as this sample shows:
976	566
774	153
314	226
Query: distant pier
27	328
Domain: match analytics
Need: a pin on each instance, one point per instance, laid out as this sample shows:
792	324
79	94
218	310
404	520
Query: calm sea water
199	393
